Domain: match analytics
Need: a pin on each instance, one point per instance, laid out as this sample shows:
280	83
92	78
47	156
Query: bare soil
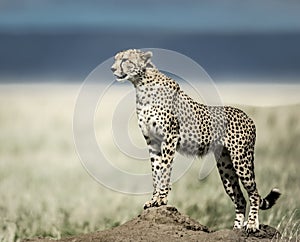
166	223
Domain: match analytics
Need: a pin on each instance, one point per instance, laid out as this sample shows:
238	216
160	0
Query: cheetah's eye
128	65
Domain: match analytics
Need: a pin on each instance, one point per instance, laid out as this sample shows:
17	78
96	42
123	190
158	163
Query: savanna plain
45	190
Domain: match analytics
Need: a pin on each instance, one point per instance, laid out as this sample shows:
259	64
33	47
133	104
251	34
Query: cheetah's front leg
161	162
155	158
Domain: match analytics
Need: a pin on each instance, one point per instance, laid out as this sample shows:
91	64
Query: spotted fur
171	121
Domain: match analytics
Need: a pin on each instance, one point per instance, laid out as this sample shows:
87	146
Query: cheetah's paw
252	227
156	202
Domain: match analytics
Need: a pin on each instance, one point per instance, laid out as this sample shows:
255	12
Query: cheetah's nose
113	69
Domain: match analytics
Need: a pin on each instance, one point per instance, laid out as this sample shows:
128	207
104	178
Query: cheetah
172	121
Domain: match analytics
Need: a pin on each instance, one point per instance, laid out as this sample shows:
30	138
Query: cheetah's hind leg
245	168
231	184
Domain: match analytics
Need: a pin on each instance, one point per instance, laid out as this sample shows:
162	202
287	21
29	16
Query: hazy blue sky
231	39
173	15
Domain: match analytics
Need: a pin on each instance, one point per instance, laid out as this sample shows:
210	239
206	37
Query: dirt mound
166	223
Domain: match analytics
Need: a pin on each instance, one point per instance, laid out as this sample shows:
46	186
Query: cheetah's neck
155	89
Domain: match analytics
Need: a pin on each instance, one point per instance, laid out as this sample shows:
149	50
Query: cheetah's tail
270	199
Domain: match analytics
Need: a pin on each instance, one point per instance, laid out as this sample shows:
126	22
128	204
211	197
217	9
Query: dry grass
45	191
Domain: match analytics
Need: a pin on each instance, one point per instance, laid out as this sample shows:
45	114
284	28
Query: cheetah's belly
192	143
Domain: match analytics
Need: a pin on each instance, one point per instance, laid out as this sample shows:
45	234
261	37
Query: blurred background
43	40
48	47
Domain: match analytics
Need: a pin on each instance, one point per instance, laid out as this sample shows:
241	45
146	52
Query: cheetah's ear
147	55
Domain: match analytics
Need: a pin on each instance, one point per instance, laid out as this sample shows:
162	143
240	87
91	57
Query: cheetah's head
129	63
